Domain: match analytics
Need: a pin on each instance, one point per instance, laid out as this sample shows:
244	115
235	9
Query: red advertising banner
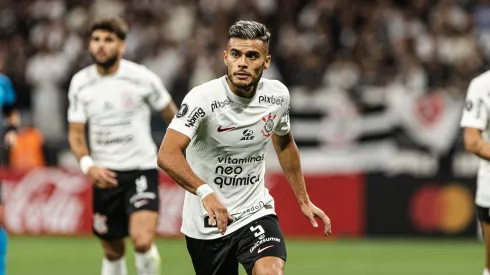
54	201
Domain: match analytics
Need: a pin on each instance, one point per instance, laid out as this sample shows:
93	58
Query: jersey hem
469	125
229	229
180	131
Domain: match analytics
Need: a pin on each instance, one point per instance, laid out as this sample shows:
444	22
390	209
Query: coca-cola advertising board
55	201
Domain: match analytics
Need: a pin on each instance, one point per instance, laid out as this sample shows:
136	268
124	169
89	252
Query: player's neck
241	92
110	70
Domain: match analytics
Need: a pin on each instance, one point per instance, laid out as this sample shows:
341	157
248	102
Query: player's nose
242	61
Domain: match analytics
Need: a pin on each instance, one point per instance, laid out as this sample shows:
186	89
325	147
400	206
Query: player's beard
248	87
107	63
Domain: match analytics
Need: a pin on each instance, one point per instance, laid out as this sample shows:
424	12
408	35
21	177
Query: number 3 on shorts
259	228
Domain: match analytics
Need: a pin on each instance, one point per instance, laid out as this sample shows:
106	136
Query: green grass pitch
82	256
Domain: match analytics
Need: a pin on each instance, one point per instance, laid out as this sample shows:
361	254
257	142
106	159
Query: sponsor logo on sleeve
182	111
194	116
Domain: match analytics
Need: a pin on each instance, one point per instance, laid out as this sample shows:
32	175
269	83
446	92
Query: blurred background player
114	97
11	123
225	125
476	138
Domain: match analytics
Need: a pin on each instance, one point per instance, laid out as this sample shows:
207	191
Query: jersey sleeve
76	108
159	97
8	91
475	113
283	126
192	113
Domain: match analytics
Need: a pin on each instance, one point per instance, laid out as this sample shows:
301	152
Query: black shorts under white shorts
260	238
136	190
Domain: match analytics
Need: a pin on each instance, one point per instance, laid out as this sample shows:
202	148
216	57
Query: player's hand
218	211
311	212
102	177
10	139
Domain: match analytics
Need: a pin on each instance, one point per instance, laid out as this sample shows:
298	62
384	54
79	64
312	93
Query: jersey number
259	230
141	184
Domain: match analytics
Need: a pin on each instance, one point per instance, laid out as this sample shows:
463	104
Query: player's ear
122	48
225	55
267	62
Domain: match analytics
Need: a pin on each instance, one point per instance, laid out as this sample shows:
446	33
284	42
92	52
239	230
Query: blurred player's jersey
476	115
117	109
228	136
7	93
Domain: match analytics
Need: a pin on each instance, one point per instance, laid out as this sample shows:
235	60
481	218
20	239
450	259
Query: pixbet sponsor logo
220	104
271	100
194	116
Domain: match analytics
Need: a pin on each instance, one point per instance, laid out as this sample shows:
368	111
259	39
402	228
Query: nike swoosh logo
225	129
262	249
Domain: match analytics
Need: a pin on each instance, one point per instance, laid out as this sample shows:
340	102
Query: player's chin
242	84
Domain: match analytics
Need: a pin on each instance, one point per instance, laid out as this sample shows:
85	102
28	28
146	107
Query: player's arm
193	113
288	155
159	98
77	119
168	112
474	143
10	113
475	119
172	160
77	141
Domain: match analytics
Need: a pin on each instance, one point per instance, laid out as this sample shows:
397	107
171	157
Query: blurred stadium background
377	89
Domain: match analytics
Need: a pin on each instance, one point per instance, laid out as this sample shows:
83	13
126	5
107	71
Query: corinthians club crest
269	125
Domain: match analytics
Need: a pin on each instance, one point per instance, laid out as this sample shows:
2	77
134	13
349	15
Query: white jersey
476	115
118	109
228	136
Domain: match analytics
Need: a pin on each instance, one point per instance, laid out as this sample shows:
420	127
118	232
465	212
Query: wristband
85	163
203	191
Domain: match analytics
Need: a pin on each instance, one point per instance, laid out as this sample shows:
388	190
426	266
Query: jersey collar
240	99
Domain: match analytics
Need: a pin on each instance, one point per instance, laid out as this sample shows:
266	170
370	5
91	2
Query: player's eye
235	54
252	56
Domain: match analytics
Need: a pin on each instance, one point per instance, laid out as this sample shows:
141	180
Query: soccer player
11	123
476	140
224	125
115	98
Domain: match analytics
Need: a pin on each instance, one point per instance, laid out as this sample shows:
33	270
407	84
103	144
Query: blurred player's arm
77	140
10	113
474	143
77	119
168	112
288	155
160	100
475	119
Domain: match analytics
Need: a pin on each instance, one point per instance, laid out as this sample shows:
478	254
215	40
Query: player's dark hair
115	25
249	30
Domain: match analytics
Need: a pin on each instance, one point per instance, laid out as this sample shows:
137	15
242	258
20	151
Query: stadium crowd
342	59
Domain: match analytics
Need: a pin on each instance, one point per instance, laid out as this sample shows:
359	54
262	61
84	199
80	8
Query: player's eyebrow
249	52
